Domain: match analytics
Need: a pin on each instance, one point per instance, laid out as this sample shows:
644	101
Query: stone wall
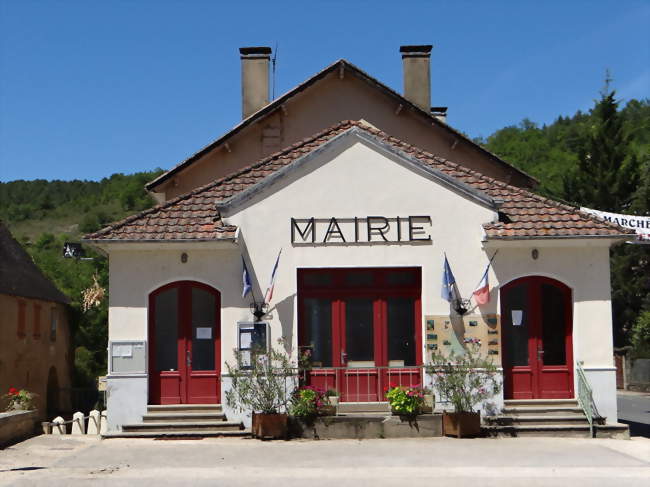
16	426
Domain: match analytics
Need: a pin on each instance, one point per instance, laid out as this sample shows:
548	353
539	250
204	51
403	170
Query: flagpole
486	269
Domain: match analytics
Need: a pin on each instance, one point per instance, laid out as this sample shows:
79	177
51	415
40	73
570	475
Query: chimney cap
255	51
416	50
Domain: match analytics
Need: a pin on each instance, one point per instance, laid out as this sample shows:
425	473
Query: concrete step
539	410
183	417
181	426
540	430
363	407
618	431
176	434
540	402
571	419
187	408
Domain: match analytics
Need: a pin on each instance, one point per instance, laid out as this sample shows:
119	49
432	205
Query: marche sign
640	224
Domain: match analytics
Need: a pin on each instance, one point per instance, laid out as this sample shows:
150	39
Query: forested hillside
599	159
42	215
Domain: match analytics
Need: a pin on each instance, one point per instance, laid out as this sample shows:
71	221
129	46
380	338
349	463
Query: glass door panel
516	320
166	330
318	330
359	332
553	308
401	333
203	329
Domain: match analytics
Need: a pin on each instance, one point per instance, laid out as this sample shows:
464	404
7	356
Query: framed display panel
252	336
126	357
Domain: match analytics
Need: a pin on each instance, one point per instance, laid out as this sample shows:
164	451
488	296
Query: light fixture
535	254
259	310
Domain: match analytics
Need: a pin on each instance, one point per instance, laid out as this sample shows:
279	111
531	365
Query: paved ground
71	461
634	409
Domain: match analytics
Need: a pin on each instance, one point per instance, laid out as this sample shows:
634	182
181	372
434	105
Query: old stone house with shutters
365	191
34	334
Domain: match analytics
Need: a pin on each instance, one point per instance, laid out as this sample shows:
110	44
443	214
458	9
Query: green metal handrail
586	397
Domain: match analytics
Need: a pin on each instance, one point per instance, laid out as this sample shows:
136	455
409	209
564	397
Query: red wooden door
184	344
363	328
536	317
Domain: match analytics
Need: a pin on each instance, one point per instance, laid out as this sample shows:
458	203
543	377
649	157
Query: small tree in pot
262	383
465	380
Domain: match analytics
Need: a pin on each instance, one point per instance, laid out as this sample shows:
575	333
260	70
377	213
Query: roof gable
348	137
19	276
341	67
194	216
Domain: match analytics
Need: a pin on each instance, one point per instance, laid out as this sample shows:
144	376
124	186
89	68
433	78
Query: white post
59	427
93	422
103	425
78	425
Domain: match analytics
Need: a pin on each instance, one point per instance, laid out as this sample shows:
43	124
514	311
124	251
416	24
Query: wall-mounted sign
368	229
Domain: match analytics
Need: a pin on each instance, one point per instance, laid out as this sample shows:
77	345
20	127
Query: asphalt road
530	462
634	410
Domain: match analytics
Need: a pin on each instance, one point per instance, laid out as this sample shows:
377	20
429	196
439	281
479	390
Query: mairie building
359	194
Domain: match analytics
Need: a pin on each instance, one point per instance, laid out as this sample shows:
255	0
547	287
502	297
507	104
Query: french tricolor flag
269	290
482	292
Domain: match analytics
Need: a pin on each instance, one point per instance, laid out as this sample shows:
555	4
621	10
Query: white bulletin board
127	357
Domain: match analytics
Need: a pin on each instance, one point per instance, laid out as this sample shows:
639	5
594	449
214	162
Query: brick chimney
254	78
417	75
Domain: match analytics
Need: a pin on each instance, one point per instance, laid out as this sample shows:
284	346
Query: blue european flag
448	282
246	280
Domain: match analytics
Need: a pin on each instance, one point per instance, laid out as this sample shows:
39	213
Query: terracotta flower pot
429	404
269	426
328	410
461	425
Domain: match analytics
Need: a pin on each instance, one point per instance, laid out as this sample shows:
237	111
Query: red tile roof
194	216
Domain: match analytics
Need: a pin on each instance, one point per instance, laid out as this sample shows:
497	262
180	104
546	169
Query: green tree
607	173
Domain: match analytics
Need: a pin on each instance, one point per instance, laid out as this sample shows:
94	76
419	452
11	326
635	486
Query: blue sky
91	88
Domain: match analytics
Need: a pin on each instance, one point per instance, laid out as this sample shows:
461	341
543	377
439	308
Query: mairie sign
367	229
640	224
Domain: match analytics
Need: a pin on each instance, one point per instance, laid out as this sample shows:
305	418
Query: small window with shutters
22	306
37	321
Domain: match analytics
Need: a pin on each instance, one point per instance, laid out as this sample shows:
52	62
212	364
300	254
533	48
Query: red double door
184	344
536	321
362	329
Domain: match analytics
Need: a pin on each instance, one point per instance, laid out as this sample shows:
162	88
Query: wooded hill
599	159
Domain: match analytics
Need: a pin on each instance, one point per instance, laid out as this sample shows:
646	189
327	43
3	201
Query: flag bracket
461	306
259	310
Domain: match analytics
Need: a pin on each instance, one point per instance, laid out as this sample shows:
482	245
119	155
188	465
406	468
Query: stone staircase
182	420
548	417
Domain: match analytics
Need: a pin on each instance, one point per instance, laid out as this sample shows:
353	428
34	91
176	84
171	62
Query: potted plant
19	400
309	402
405	400
262	384
465	380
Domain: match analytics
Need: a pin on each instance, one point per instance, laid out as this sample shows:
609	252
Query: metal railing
364	383
586	397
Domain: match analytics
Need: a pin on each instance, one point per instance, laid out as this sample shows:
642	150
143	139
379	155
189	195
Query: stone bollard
78	424
59	427
93	422
103	424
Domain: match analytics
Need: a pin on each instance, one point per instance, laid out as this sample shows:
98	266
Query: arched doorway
184	344
536	319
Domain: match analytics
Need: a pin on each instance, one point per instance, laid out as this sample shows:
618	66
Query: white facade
353	177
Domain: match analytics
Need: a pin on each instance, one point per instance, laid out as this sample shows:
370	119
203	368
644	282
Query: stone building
34	334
